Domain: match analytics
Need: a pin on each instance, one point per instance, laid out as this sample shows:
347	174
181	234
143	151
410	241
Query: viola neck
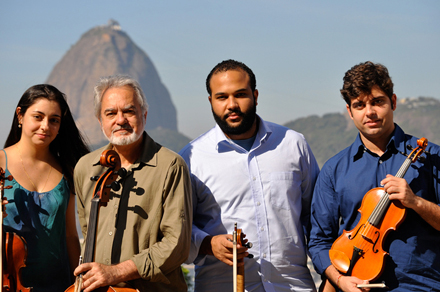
89	252
382	206
404	168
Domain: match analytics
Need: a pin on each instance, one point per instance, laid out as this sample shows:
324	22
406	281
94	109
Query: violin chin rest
339	260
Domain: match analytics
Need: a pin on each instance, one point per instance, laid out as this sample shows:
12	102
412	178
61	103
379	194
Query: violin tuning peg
409	147
122	172
115	186
422	159
94	178
251	256
249	245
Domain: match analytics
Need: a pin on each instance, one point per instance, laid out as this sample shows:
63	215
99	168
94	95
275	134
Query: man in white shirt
254	173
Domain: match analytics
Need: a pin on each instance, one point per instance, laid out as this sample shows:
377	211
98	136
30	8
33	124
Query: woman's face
41	122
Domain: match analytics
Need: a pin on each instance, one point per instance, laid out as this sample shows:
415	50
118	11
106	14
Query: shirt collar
397	143
225	144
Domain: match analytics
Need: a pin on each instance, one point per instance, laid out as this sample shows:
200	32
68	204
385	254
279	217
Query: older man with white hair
143	234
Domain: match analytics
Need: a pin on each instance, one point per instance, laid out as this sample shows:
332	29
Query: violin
238	272
14	251
105	183
359	252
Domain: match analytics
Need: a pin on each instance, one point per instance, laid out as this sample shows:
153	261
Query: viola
14	251
105	183
359	252
238	272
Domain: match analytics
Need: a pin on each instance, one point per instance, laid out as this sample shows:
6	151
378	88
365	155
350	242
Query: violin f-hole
357	231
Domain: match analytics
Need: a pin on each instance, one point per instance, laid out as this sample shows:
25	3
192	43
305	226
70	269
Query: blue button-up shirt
413	263
267	191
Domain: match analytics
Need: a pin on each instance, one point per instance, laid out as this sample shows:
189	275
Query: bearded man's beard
245	125
122	140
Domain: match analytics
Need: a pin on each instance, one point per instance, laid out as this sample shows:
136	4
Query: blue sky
299	50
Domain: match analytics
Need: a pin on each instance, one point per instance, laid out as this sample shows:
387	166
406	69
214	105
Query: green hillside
329	134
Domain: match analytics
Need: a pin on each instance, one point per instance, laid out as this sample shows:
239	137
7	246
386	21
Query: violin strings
379	211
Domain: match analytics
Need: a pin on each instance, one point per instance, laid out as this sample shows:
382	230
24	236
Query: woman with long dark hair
40	153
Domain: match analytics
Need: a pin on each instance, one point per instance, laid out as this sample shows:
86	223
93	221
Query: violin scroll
108	181
241	241
3	178
110	159
2	185
419	150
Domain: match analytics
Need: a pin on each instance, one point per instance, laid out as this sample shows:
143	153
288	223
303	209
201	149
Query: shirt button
380	161
258	204
262	228
254	178
264	255
110	233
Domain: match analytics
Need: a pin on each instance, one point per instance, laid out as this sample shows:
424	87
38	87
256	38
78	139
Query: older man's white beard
122	140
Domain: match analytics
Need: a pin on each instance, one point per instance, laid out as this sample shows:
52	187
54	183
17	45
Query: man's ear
256	96
210	99
393	102
349	111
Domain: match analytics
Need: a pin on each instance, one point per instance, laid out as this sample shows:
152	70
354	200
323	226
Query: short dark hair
361	78
69	145
231	65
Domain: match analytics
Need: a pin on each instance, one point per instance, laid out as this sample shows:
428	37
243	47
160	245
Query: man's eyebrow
222	93
110	109
128	107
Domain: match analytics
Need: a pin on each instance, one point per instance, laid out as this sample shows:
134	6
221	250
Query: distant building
113	24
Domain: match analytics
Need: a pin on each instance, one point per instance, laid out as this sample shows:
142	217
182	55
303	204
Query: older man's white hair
116	81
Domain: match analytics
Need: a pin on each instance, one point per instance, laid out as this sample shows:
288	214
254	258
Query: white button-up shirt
267	191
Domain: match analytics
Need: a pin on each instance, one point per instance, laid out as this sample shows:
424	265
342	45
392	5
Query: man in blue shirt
258	174
371	161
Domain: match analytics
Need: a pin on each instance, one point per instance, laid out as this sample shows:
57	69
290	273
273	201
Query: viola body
106	289
14	259
359	252
13	250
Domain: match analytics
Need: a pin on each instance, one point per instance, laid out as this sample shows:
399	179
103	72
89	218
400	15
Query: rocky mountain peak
102	51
